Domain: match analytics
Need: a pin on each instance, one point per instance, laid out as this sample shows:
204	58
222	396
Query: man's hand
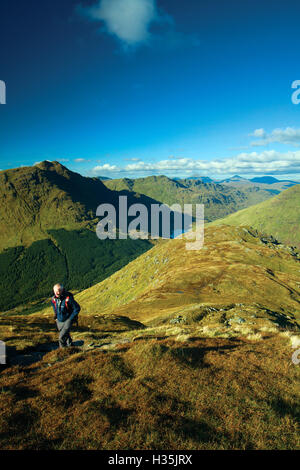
75	321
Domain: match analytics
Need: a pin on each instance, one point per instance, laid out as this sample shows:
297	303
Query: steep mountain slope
48	195
237	272
47	224
219	200
279	216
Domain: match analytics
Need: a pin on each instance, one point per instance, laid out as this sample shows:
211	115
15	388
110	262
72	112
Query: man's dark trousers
64	328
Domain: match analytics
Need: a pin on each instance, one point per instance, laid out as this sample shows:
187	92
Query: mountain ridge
236	264
218	199
278	216
48	232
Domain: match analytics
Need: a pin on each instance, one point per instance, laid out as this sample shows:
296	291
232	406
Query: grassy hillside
76	258
219	200
45	196
235	266
47	224
280	216
178	350
236	272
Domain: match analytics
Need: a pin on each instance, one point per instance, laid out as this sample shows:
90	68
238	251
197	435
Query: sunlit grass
201	394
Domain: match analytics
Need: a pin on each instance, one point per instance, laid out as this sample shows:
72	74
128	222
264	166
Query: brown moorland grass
206	393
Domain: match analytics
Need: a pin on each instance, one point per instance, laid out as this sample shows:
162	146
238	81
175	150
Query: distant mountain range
219	199
267	183
232	179
237	178
270	180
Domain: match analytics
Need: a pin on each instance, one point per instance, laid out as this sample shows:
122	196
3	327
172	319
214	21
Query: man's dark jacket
65	307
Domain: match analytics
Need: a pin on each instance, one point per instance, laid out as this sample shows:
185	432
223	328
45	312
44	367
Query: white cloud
105	167
266	162
131	20
289	136
259	133
79	160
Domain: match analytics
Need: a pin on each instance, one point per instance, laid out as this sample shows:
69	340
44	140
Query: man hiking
66	311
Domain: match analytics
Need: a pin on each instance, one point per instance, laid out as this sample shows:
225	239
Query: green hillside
219	200
177	350
235	266
45	196
279	216
47	223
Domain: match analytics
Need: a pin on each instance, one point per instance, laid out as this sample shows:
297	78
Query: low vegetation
196	393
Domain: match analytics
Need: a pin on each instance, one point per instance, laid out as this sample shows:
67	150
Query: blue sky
139	87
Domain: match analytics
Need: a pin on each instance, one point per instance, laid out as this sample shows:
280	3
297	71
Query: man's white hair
58	285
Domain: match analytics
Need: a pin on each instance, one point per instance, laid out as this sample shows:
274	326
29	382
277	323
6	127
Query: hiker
66	311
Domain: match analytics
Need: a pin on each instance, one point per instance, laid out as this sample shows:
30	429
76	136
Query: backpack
76	304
